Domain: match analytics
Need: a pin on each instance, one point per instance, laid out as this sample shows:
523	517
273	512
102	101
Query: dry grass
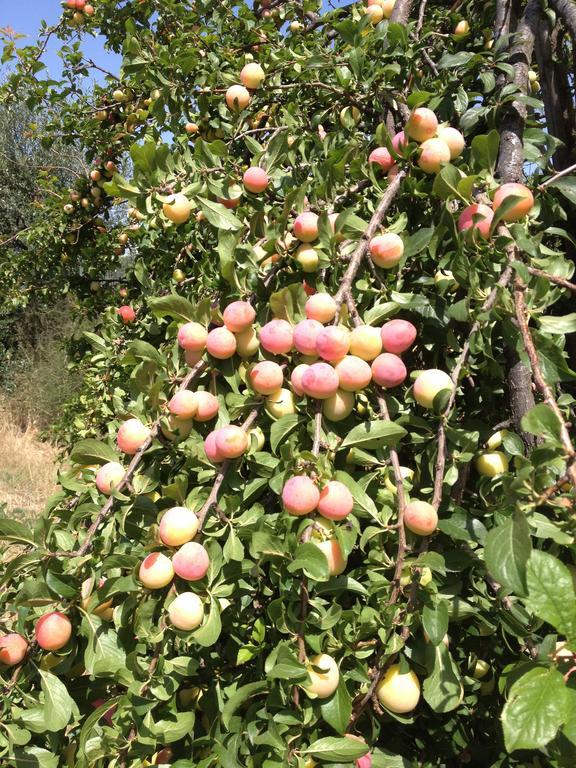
27	468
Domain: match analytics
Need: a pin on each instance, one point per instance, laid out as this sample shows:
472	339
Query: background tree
278	566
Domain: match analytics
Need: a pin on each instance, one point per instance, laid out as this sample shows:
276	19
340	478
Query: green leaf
334	750
210	630
104	654
542	421
558	325
145	351
337	709
443	688
567	186
238	698
538	704
286	666
362	501
551	592
12	530
311	561
418	242
173	306
282	428
58	704
446	183
169	730
35	757
435	620
373	434
92	452
485	150
508	548
219	216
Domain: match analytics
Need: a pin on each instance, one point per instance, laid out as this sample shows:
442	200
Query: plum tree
279	473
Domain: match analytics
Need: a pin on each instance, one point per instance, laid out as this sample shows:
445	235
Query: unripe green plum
178	526
338	406
323	682
398	692
247	343
453	139
429	384
280	403
492	464
307	257
365	342
321	307
186	611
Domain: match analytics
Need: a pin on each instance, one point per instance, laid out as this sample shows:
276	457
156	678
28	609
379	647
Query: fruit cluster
80	10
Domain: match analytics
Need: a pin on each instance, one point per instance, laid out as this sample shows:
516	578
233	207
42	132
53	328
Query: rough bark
510	164
558	106
401	12
566	9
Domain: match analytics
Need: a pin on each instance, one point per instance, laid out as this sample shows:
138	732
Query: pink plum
398	336
191	561
221	343
333	342
239	316
388	370
266	377
300	495
320	381
277	337
336	501
305	336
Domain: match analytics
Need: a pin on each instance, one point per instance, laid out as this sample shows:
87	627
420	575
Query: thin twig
362	247
553	278
556	176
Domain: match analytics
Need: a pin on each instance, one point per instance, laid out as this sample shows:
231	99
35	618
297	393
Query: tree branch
553	278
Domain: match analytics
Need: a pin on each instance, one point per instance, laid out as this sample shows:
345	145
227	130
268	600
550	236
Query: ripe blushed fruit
420	518
333	342
184	404
108	476
365	342
255	180
296	378
127	314
191	561
306	335
429	384
388	370
186	611
492	464
354	373
178	526
211	447
300	495
386	250
433	154
252	75
321	307
277	337
156	571
231	441
239	316
221	343
519	209
178	208
476	217
105	609
336	501
453	139
13	649
324	679
306	227
320	381
382	157
237	98
280	403
462	28
208	406
397	692
398	336
131	436
53	631
192	336
375	13
266	377
421	125
339	406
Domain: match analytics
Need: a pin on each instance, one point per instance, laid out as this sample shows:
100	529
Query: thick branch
540	381
566	9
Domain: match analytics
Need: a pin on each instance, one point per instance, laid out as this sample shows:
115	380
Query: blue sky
24	16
